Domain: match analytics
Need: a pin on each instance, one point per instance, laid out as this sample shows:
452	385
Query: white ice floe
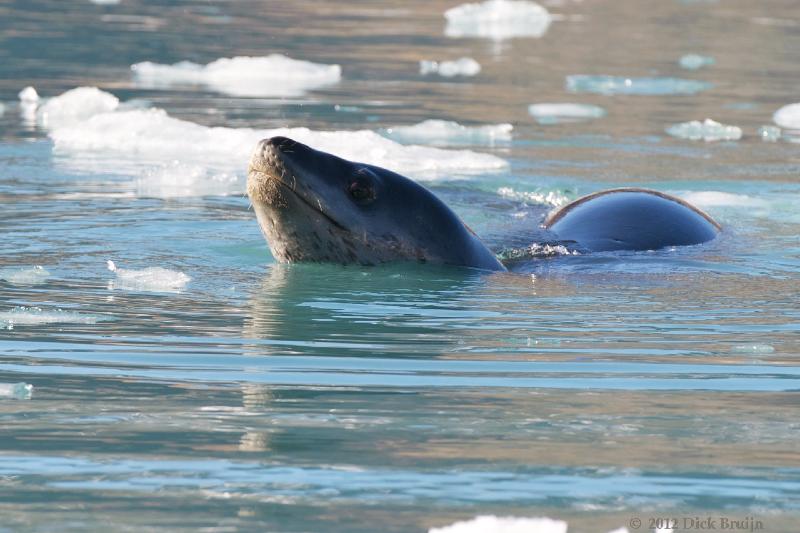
695	61
17	391
105	2
708	130
788	117
507	524
274	75
35	316
28	95
612	85
559	113
444	132
553	198
152	279
75	105
722	199
169	155
465	66
769	133
25	276
497	19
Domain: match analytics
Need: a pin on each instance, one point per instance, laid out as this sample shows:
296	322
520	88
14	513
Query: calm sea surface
257	396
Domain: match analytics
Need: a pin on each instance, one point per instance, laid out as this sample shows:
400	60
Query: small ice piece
152	279
25	276
274	75
708	130
695	61
553	198
559	113
497	19
753	349
769	133
75	105
443	132
613	85
35	316
28	95
505	524
17	391
788	117
465	66
105	2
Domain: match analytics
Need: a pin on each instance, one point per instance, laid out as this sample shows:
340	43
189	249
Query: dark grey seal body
315	207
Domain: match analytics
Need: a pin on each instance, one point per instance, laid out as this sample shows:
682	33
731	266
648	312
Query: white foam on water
465	66
695	61
75	105
722	199
28	95
553	198
35	316
25	276
788	117
564	112
152	279
274	75
17	391
769	134
708	131
497	19
506	524
168	155
613	85
445	132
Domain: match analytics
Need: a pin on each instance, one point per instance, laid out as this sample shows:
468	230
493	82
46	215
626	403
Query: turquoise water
257	396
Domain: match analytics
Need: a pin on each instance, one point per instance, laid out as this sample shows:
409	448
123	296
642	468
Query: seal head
315	207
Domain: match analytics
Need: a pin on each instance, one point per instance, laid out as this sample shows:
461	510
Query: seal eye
362	188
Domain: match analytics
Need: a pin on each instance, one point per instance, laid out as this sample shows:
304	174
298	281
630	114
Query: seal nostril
281	143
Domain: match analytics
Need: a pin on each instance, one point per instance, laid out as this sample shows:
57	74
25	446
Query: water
592	389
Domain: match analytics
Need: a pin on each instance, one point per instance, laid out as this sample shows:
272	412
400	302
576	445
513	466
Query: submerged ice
497	19
613	85
708	130
274	75
443	132
25	276
559	113
695	61
151	279
35	316
178	157
465	66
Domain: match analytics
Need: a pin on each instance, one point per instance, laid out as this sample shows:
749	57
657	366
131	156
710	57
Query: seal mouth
268	175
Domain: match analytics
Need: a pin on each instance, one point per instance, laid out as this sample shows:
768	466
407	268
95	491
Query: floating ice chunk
466	66
185	153
443	132
535	251
611	85
17	391
788	117
558	113
271	76
769	133
34	316
507	524
554	198
152	279
708	130
695	61
25	276
754	349
28	95
105	2
75	105
722	199
497	19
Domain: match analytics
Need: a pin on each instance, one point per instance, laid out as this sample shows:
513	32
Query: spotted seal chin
315	207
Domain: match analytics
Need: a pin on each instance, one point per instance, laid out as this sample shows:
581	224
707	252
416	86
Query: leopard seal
313	206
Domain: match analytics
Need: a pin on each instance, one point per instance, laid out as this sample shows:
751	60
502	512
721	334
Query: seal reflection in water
315	207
